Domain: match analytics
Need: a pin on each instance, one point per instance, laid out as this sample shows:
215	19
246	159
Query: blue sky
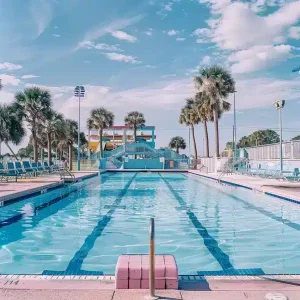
143	54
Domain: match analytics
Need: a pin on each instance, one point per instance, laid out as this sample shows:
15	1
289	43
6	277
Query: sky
143	54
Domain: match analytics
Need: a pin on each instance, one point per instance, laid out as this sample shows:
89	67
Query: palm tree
217	83
71	134
32	104
52	123
11	127
190	117
177	143
99	119
205	115
135	119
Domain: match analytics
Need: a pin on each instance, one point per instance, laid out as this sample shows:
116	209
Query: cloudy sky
143	54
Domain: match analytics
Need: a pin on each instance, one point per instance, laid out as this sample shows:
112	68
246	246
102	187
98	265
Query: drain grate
275	296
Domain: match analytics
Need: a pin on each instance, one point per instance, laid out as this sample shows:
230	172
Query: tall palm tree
11	127
51	123
190	117
135	119
71	134
217	83
32	104
205	115
100	119
177	143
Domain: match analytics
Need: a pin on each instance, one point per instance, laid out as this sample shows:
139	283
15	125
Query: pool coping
272	194
47	187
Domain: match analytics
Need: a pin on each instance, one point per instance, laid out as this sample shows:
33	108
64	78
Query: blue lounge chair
47	167
5	174
40	167
35	168
20	169
28	168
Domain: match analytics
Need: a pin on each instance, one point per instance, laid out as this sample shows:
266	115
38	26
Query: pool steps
132	272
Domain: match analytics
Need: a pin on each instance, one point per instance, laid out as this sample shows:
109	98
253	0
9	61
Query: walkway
30	186
273	186
212	289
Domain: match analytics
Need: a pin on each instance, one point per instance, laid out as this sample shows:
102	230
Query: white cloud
121	35
149	32
41	12
216	5
56	35
9	80
180	39
121	57
203	35
168	6
9	66
239	27
100	31
204	62
6	97
100	46
294	33
30	76
168	76
173	32
266	91
258	58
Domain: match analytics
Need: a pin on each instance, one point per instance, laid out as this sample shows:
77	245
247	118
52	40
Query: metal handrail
151	296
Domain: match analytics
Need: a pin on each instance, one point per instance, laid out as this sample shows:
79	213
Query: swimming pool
209	228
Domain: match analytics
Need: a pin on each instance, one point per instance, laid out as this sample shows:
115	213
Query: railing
152	261
290	150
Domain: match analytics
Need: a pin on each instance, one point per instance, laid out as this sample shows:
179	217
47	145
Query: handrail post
152	262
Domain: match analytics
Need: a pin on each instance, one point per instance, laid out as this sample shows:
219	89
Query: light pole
234	125
279	105
79	93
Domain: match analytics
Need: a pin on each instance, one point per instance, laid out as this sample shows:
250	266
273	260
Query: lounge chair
35	168
40	167
4	174
28	168
19	169
47	167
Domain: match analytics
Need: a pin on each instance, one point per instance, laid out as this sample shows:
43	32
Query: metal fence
290	150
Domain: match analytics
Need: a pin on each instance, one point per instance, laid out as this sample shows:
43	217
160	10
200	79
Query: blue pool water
209	228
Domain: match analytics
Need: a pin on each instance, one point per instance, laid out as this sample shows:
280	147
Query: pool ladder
151	295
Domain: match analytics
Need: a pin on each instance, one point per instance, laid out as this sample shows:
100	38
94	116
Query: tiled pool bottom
209	228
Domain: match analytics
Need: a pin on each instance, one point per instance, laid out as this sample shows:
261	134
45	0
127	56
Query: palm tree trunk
35	146
100	142
42	154
134	139
70	157
177	149
11	150
216	122
49	147
206	138
195	145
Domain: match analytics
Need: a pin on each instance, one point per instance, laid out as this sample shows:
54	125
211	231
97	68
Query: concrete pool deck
103	289
273	187
12	190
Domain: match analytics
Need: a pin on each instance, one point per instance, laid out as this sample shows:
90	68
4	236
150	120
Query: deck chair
28	168
47	167
40	167
19	169
5	174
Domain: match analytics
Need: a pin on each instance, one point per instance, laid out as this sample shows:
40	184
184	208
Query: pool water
209	228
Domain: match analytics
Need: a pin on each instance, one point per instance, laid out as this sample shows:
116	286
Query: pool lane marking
76	262
266	213
210	243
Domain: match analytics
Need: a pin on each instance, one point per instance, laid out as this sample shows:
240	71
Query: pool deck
11	191
91	288
271	187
